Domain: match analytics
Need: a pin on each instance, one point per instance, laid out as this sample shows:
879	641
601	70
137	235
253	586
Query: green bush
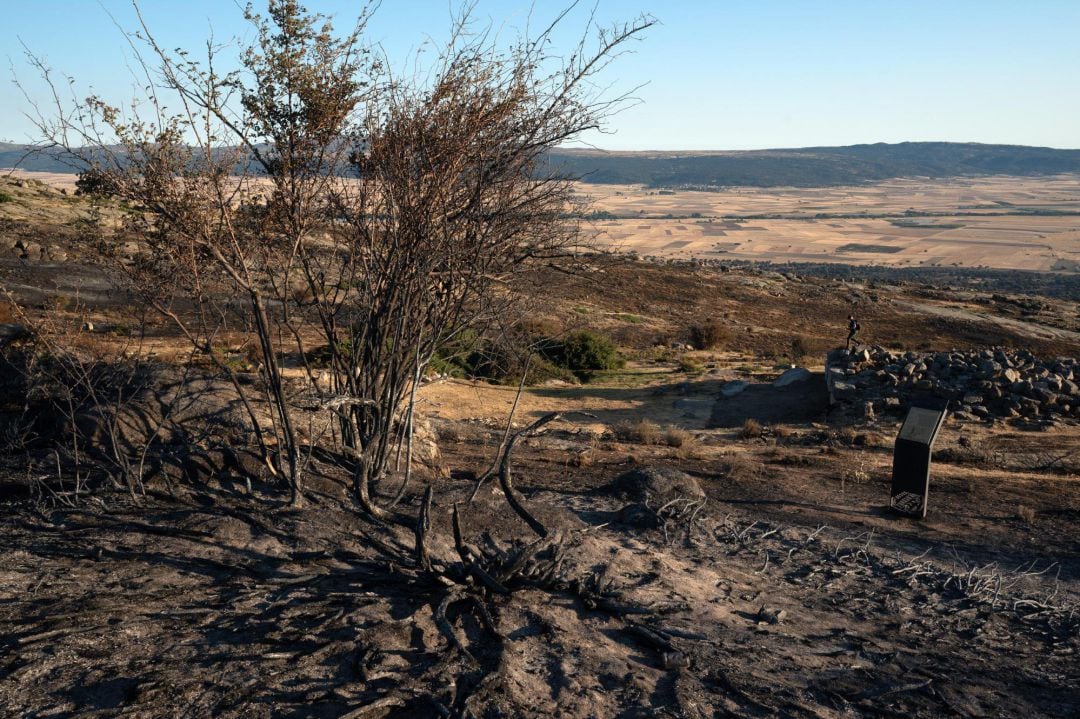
5	197
582	352
320	356
690	366
476	357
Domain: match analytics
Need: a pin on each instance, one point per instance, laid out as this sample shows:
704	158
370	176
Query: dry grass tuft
456	432
677	436
7	313
751	429
739	466
639	432
781	432
584	458
856	473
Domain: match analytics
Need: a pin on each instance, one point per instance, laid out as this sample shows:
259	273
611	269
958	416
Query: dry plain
1012	223
1019	223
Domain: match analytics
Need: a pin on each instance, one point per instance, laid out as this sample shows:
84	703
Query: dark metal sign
911	460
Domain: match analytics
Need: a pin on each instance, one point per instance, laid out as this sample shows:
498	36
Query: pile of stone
980	384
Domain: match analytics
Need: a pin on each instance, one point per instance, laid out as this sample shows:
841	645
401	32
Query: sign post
911	460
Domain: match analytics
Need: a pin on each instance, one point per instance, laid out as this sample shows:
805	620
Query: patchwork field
999	222
1018	223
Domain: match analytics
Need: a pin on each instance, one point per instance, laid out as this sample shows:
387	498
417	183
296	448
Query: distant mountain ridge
814	166
798	167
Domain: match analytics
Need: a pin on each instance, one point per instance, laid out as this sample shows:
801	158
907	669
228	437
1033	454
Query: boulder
1044	396
734	387
791	376
425	447
656	483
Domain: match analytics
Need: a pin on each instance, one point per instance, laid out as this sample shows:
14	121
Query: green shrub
477	357
582	352
320	356
5	197
690	366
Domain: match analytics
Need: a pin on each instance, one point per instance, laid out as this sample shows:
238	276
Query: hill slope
799	167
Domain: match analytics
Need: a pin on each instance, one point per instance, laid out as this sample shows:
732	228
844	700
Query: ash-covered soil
787	592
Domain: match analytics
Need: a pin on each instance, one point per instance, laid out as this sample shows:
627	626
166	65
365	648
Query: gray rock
734	387
791	376
770	615
1045	396
656	482
1028	406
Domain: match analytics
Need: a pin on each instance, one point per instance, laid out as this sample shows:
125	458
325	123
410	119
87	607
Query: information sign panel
911	460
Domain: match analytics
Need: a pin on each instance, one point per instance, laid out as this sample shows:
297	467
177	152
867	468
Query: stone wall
980	384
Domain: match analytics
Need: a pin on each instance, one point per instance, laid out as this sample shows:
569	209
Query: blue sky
736	74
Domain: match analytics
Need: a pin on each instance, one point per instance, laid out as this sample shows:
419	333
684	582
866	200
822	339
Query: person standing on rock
852	331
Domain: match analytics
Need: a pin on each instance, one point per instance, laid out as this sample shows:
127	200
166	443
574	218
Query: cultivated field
1015	223
998	222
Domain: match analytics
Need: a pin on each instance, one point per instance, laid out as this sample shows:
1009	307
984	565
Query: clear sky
719	74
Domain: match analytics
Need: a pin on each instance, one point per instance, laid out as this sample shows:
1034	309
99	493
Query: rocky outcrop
980	384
